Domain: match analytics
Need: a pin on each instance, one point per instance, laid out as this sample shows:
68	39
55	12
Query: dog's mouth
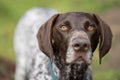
78	60
80	57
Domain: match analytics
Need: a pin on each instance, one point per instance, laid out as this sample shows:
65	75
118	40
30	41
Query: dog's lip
79	59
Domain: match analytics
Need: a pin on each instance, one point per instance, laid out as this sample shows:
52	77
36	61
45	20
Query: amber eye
64	28
91	28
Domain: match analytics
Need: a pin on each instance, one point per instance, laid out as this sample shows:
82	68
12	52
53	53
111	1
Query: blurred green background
109	10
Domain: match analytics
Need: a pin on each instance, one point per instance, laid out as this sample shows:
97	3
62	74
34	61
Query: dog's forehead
76	15
75	20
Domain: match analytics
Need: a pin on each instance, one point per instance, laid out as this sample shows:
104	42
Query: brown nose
81	45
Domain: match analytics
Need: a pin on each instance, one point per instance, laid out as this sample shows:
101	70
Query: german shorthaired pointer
67	42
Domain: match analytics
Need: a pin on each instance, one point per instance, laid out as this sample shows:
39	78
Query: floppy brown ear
44	36
105	37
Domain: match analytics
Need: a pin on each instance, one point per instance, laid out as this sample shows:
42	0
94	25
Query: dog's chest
40	68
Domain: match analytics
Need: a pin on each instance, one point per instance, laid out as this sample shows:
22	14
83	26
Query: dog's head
74	36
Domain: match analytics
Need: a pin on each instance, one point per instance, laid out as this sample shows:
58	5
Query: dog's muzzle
79	49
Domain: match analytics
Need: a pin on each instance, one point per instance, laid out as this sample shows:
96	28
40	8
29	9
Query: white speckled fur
29	57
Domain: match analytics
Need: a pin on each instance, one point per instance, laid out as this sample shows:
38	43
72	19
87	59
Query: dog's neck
71	72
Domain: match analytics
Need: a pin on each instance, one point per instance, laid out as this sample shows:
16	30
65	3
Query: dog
66	44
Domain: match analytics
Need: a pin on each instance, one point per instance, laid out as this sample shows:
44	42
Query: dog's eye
64	28
91	28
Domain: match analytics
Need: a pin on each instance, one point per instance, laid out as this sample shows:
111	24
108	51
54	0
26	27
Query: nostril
85	47
76	46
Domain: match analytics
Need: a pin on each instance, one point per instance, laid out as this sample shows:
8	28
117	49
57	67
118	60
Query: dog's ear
44	36
105	37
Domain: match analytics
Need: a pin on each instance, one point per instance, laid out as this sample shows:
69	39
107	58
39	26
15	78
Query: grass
107	75
12	10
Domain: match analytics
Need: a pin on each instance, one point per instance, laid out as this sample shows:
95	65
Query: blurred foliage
107	75
12	10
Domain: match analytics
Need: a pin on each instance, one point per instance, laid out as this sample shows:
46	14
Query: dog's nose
81	45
